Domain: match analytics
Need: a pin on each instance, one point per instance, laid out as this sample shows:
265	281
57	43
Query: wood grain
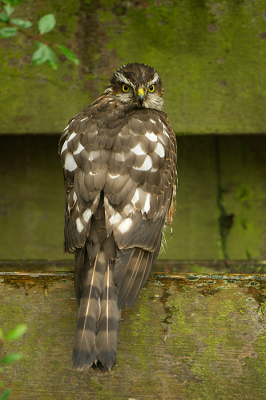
187	336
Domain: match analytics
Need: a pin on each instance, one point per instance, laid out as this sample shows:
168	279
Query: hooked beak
141	95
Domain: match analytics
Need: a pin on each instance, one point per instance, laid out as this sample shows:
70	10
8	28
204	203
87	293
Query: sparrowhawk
119	163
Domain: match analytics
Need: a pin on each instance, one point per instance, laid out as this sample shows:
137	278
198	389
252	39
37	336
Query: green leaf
46	23
5	395
39	57
4	17
71	56
52	64
17	332
21	23
44	54
9	9
10	358
8	32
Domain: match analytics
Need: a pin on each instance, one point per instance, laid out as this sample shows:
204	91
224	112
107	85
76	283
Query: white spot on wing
79	225
115	218
71	136
152	120
66	128
83	119
64	147
138	150
159	149
165	131
119	157
146	165
75	197
151	136
135	197
114	176
93	155
79	149
128	209
87	215
125	225
70	163
147	204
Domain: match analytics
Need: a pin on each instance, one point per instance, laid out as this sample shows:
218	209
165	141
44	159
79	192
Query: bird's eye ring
126	88
151	88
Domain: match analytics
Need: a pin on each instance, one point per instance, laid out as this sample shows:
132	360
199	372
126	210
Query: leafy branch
44	53
14	334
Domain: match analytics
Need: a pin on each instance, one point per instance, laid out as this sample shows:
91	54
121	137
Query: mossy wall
210	56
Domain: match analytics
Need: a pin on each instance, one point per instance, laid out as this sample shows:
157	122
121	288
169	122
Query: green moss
212	343
204	51
105	16
39	99
214	332
210	56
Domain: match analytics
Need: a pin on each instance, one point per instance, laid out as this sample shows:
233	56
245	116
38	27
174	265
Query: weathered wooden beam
32	204
188	336
250	267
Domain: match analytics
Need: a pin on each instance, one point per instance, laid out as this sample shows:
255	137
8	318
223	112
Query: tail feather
135	276
84	350
108	326
98	319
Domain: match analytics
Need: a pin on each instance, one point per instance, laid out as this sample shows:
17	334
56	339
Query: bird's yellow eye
151	88
126	88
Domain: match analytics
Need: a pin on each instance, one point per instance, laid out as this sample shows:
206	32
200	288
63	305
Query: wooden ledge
188	336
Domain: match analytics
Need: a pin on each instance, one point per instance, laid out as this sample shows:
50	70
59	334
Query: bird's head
137	84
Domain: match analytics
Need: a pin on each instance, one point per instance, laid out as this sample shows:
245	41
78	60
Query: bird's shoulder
106	118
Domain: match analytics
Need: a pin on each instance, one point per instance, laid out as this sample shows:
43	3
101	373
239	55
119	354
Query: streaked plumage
119	162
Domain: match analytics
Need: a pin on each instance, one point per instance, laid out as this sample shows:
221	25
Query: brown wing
133	161
138	195
85	151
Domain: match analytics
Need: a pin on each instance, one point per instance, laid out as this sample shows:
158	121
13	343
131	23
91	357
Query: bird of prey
119	164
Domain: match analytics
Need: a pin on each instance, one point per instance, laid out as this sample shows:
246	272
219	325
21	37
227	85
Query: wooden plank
187	337
209	54
166	266
243	172
32	203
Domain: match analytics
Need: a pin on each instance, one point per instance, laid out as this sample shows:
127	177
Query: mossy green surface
183	339
209	54
40	99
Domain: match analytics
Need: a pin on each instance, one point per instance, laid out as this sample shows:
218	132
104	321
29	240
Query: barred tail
98	318
108	325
